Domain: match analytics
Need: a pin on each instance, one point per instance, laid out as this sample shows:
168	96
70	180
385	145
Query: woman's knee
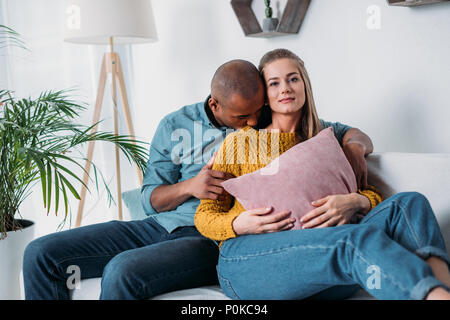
411	196
362	234
414	204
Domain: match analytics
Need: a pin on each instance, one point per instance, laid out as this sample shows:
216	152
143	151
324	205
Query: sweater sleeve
375	197
213	218
214	221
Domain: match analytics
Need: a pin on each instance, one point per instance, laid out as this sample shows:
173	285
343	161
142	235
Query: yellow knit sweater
214	218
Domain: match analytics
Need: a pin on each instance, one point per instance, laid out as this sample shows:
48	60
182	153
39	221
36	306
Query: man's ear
213	104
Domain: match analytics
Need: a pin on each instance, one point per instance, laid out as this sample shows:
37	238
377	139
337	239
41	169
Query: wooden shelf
413	3
270	34
290	22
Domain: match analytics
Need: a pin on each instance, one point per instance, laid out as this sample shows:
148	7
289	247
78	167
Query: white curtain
52	64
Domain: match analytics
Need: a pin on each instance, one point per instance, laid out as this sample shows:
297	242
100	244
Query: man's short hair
236	77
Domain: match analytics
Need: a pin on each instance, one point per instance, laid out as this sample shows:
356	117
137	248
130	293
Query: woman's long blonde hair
309	121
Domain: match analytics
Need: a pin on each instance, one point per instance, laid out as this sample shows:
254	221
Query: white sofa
390	172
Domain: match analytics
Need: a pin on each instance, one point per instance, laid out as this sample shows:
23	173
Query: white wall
391	82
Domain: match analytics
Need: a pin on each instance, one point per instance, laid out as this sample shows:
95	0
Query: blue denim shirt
183	143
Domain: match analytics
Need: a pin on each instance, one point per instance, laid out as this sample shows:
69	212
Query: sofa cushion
90	290
132	200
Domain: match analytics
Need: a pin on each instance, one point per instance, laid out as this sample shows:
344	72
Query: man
165	252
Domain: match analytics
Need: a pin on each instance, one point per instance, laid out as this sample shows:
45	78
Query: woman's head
288	89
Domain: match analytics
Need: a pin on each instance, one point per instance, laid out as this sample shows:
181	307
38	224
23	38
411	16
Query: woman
330	258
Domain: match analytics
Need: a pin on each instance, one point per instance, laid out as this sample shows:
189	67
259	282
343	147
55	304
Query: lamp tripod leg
126	109
110	63
116	132
95	119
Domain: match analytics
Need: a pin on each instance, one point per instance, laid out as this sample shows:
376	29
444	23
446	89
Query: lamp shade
95	21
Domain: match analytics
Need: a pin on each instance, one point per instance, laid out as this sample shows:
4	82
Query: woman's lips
287	100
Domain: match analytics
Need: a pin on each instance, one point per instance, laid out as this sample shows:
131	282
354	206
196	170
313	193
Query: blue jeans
384	254
136	260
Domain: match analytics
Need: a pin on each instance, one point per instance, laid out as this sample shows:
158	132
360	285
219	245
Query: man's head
237	94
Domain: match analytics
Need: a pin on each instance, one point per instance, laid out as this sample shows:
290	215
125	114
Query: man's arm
357	145
205	185
162	190
356	136
161	170
168	197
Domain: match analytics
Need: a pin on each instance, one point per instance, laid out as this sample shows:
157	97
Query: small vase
270	24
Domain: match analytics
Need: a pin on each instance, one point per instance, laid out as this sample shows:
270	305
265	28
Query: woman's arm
214	218
214	221
339	209
373	195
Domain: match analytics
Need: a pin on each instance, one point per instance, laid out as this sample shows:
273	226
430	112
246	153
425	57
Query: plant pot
270	24
11	257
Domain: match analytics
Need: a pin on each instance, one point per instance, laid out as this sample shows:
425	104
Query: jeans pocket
225	284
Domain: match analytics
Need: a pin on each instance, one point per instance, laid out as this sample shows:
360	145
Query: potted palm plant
36	135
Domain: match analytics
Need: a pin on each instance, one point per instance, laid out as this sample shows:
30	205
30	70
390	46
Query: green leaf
56	192
71	188
49	186
66	204
55	164
41	167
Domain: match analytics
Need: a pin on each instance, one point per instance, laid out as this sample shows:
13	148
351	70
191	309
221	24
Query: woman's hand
334	210
257	221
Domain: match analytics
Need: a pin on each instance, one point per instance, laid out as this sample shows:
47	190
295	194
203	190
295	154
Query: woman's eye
273	84
295	79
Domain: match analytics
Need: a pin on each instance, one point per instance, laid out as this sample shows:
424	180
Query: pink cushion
309	171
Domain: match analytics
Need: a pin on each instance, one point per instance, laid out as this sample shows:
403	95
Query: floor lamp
109	22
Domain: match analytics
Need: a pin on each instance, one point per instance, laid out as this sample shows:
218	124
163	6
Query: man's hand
257	221
335	210
355	155
207	183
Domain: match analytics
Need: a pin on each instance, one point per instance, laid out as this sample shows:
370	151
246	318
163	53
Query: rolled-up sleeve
338	128
160	170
